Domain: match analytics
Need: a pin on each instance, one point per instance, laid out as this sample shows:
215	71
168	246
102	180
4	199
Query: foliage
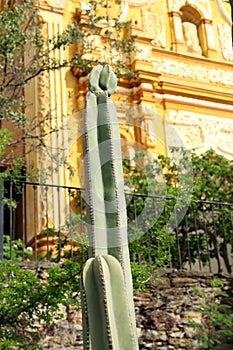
141	274
157	206
69	244
213	175
152	231
217	318
106	38
210	222
26	52
72	238
176	207
15	250
28	307
150	218
5	139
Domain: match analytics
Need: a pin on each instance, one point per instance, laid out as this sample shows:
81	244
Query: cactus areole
107	293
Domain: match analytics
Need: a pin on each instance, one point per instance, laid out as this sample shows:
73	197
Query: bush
217	319
28	307
14	250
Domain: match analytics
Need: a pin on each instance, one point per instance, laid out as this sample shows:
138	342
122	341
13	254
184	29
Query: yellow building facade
184	67
183	94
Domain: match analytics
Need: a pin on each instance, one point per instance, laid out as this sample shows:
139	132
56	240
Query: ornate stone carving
202	6
59	4
222	11
193	72
51	112
174	5
143	52
202	132
177	23
147	131
124	10
154	27
209	35
224	33
139	3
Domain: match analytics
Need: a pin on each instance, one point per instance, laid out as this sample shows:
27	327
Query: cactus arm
102	153
94	323
88	145
94	186
110	324
84	282
110	155
94	78
113	184
107	80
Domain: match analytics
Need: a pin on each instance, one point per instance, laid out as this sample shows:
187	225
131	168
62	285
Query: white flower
30	249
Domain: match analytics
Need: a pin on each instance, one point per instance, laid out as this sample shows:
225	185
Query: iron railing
41	221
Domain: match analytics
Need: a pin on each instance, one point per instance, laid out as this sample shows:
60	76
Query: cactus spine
107	293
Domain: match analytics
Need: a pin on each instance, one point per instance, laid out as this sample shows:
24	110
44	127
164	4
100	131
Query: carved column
207	38
48	208
149	124
177	41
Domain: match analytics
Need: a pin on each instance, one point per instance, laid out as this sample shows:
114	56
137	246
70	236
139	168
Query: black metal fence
41	221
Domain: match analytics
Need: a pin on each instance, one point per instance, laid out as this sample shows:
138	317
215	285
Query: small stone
155	304
190	332
176	334
194	315
184	281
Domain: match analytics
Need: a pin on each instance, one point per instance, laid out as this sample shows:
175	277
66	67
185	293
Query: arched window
192	34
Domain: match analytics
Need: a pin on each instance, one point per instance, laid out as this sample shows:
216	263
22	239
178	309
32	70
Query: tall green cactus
107	293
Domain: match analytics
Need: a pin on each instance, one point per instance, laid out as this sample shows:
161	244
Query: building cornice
182	101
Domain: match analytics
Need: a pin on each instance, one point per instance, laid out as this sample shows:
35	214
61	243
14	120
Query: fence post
1	217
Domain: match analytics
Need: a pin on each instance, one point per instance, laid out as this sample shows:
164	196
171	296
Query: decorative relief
183	136
147	131
224	33
57	3
178	28
124	10
223	12
210	36
51	112
60	4
201	132
154	27
43	160
201	6
174	5
225	144
139	3
143	52
193	72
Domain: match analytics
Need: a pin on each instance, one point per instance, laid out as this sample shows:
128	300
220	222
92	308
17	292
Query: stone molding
195	72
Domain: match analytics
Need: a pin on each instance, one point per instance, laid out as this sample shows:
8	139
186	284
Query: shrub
29	307
217	319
